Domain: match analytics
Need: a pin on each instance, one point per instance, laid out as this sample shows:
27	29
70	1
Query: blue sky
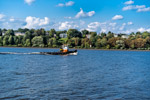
119	16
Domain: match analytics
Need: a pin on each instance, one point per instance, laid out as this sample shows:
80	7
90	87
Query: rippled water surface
91	75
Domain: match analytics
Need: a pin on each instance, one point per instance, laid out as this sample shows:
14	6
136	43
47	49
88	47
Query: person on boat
61	49
65	49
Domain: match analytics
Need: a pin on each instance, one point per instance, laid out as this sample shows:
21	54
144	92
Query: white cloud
128	8
12	23
143	29
130	23
104	27
83	14
1	17
68	17
112	24
133	7
67	25
117	17
143	9
60	5
94	25
97	26
103	30
123	24
122	27
138	8
11	19
29	2
33	22
82	22
69	3
128	31
129	2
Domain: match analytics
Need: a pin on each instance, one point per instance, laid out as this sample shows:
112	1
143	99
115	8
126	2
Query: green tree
129	43
84	33
16	40
28	43
11	40
85	43
93	38
4	30
98	43
110	35
77	41
37	41
120	44
50	42
40	32
5	40
145	34
1	33
140	43
52	32
9	32
1	41
73	33
103	42
112	41
20	39
20	30
28	35
103	35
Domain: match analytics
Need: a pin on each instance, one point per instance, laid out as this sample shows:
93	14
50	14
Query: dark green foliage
1	32
73	33
37	41
9	32
52	32
84	33
11	40
75	39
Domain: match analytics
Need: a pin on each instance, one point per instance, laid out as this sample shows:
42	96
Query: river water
91	75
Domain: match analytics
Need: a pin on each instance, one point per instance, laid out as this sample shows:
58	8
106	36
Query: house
125	36
63	35
88	36
115	35
19	33
3	33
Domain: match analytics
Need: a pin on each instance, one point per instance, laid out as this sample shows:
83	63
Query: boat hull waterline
44	53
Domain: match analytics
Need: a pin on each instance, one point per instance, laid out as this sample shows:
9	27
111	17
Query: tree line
75	39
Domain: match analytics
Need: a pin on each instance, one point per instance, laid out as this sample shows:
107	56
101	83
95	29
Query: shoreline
78	48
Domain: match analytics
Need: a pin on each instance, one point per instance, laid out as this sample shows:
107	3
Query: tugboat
64	50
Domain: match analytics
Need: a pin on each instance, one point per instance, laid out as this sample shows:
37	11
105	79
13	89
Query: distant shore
76	48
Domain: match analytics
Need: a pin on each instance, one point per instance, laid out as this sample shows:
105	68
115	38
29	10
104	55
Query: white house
115	35
19	33
63	35
88	36
3	33
125	36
